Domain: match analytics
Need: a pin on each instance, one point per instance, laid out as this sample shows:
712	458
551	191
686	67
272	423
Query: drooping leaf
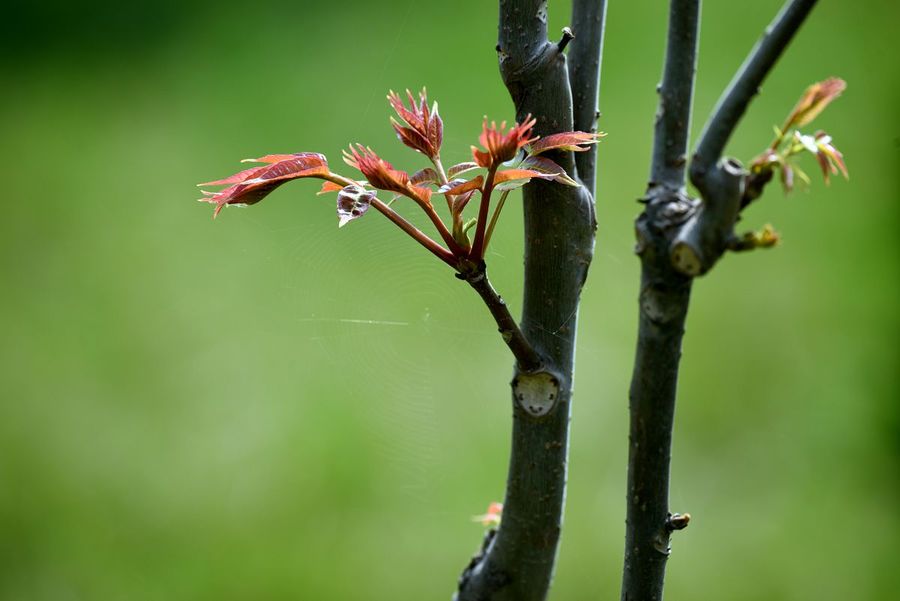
548	167
576	141
510	179
252	185
352	203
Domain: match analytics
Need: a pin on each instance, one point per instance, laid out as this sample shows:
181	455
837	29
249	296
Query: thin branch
439	251
746	83
585	57
527	358
673	117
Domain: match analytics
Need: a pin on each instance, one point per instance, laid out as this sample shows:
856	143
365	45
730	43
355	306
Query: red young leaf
460	201
570	140
352	203
382	174
460	186
511	179
328	186
461	168
545	165
425	131
424	176
252	185
501	145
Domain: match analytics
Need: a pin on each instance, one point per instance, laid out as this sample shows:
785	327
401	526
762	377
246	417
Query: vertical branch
673	118
679	238
516	563
746	83
585	56
663	306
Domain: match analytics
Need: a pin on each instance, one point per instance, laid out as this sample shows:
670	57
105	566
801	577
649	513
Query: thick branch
706	235
517	564
745	85
673	117
585	54
679	238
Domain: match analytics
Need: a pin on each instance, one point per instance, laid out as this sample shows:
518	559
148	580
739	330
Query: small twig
745	85
567	36
527	358
477	252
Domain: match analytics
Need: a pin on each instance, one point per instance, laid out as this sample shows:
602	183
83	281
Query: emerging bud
500	145
425	131
814	100
382	174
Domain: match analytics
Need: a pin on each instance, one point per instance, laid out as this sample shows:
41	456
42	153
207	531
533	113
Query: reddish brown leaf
461	168
461	186
576	141
252	185
379	172
511	179
501	145
329	187
460	201
813	102
424	129
546	166
424	176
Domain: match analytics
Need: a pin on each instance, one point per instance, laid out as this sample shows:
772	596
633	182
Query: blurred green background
265	407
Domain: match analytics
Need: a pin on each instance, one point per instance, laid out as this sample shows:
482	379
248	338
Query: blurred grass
199	410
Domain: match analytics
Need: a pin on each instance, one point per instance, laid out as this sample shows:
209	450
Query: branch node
678	521
567	36
536	393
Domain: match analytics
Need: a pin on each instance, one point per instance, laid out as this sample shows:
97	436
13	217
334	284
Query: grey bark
516	563
663	305
679	238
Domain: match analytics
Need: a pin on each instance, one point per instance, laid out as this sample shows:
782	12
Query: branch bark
585	57
746	83
679	238
516	563
663	306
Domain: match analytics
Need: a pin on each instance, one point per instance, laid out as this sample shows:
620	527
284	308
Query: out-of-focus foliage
256	407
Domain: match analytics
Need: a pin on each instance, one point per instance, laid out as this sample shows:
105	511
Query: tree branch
527	358
585	55
679	238
663	306
673	117
745	85
517	563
